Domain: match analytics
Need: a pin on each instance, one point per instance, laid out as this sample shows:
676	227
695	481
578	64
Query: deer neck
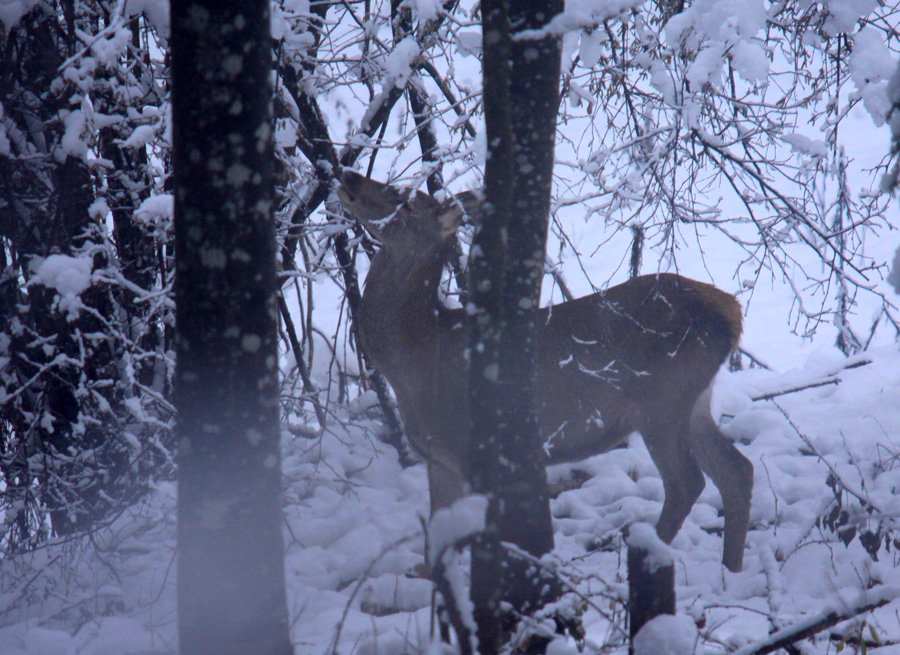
399	311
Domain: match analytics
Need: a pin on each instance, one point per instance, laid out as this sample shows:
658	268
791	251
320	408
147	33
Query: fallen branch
832	379
874	598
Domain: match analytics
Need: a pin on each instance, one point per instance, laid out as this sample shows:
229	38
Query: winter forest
752	145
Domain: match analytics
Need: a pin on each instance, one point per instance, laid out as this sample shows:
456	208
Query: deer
638	357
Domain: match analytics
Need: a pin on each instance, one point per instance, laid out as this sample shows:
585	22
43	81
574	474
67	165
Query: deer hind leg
731	472
682	478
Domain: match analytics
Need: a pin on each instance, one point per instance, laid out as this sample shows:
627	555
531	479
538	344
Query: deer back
608	363
612	361
640	356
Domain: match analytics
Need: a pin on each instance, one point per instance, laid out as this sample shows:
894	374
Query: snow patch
450	525
68	276
155	11
73	140
843	14
141	136
667	635
398	66
156	208
643	536
805	145
425	10
871	66
468	43
714	28
11	11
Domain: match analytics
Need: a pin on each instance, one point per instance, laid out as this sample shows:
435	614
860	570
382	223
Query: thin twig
309	387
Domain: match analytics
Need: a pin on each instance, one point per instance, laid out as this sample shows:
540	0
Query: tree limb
819	622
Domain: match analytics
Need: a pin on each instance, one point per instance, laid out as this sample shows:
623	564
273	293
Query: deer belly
582	434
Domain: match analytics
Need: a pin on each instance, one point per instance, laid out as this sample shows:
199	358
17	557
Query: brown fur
638	357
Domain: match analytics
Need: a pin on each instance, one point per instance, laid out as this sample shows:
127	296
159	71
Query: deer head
638	357
396	218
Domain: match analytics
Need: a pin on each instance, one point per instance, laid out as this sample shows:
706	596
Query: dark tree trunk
231	588
507	264
486	260
650	593
534	96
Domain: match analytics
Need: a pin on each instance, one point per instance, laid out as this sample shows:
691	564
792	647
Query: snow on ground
824	519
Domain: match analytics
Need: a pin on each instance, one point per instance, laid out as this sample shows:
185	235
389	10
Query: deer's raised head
400	219
638	357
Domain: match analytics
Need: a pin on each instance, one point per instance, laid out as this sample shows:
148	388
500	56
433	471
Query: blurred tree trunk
521	90
231	588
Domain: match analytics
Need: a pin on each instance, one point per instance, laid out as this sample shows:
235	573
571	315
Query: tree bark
650	593
521	81
231	588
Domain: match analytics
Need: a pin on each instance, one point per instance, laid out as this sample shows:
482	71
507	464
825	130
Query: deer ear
449	220
470	201
453	210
